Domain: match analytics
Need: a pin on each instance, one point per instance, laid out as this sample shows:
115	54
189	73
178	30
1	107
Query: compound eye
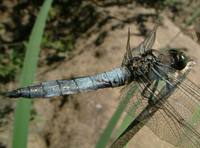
179	59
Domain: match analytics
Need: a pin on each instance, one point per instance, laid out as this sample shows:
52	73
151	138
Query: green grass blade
103	140
128	119
22	113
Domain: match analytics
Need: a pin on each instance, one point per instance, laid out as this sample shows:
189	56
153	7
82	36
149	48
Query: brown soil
77	121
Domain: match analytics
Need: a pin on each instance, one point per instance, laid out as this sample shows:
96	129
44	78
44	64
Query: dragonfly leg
145	91
149	92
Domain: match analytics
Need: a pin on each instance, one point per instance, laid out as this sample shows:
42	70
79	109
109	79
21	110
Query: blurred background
84	38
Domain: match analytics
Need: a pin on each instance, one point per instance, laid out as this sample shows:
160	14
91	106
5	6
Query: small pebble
99	107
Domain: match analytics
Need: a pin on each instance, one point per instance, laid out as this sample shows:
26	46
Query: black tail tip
3	94
10	94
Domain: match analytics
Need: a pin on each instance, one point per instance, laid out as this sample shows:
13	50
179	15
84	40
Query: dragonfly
166	101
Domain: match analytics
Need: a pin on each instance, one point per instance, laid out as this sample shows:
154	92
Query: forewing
128	54
148	42
146	45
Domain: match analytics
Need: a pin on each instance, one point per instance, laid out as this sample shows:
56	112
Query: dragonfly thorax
141	65
154	64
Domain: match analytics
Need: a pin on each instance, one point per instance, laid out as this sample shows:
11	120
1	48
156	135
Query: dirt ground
77	121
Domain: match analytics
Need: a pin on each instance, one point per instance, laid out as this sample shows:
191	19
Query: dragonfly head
178	59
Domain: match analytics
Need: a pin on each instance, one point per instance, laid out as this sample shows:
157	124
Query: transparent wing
136	102
174	116
134	107
149	41
174	122
177	119
141	48
128	54
142	112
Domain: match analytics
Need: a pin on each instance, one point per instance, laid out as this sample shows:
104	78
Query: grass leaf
105	137
22	113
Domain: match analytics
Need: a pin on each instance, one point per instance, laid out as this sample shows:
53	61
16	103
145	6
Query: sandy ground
78	120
